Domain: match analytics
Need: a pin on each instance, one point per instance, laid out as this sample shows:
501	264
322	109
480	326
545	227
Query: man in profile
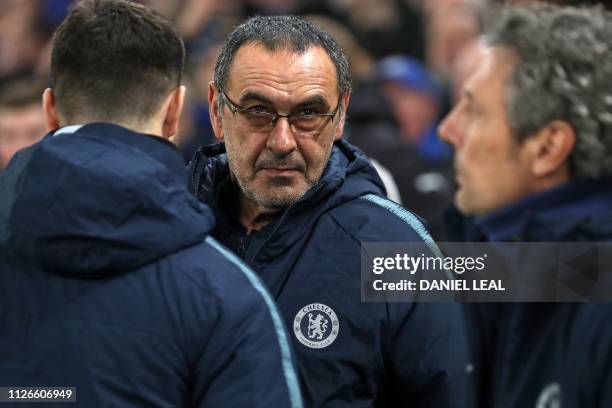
532	135
109	280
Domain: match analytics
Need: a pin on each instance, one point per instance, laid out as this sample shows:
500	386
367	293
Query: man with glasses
295	201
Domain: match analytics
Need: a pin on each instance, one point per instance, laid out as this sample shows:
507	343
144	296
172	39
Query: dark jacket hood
97	201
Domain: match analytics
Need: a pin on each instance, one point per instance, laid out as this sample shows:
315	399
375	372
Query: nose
281	140
448	130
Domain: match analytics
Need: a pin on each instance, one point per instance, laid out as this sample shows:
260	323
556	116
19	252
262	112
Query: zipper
282	219
196	174
241	247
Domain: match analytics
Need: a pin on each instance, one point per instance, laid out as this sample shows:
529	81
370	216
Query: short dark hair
114	60
564	72
277	33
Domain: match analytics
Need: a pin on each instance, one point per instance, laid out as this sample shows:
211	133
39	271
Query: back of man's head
564	72
114	61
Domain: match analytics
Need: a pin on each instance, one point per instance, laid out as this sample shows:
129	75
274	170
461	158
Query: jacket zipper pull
241	247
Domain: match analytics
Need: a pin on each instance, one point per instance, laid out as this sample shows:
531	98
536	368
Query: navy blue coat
542	354
110	283
367	354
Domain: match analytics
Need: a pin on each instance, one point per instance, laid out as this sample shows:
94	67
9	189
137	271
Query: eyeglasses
308	122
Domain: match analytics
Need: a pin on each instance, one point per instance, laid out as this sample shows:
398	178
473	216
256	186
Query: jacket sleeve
428	356
247	360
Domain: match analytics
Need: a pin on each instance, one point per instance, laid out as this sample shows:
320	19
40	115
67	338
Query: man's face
19	128
492	169
414	110
275	167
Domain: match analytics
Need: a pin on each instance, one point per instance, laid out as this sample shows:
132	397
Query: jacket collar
552	215
210	167
155	147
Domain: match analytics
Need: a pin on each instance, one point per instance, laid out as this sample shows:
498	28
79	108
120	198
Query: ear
549	149
342	116
213	111
174	108
52	122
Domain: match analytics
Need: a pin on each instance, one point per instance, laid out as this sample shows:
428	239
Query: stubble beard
278	196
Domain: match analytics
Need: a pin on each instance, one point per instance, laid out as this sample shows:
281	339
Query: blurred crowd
408	59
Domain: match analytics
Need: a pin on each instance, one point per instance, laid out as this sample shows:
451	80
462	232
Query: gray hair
277	33
564	73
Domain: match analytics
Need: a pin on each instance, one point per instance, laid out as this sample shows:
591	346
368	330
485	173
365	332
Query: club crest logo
550	397
316	325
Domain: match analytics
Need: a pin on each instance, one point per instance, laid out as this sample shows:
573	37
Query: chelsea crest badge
316	325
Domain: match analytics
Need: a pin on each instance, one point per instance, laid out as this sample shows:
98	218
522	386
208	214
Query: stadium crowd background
408	59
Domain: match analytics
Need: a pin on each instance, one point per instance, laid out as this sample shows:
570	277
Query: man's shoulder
210	267
374	218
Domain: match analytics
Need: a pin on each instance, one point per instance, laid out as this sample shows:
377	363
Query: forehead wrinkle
285	94
282	74
283	82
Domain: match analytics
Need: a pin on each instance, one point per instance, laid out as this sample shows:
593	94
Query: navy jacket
544	354
110	283
350	354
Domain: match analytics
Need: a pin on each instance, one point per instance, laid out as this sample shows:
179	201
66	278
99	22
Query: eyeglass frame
234	107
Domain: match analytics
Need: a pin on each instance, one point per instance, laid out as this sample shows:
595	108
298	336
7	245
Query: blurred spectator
21	36
382	27
197	130
195	15
204	23
414	97
419	161
361	62
450	25
21	117
386	27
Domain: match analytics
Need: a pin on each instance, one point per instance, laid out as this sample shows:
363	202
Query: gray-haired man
533	144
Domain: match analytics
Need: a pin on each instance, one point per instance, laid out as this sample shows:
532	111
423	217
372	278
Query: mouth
281	171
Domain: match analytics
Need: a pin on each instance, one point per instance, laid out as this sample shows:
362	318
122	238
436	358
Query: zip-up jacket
349	353
110	283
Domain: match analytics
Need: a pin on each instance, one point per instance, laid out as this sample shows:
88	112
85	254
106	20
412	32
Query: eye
466	106
308	112
257	110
